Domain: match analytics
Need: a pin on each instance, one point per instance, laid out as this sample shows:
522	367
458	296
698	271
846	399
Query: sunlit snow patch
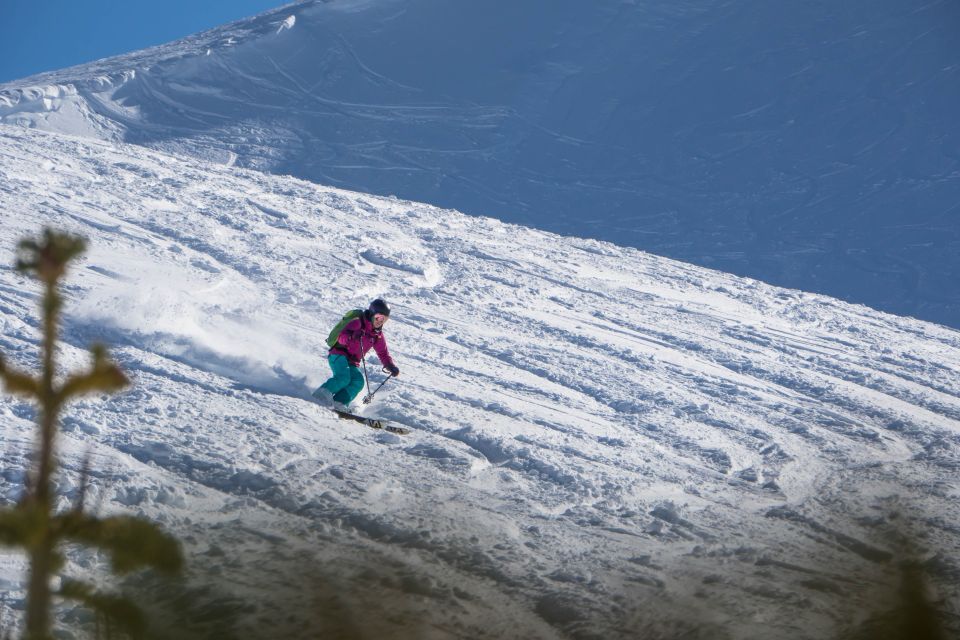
287	24
407	260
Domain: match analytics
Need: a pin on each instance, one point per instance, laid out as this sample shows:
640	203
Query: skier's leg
346	395
341	377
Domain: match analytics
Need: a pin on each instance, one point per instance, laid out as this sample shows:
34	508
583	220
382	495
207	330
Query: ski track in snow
784	143
595	428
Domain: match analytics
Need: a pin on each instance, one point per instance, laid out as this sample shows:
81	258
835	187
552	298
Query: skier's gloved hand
394	370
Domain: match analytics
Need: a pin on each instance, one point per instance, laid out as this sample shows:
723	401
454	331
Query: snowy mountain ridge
67	100
812	146
604	441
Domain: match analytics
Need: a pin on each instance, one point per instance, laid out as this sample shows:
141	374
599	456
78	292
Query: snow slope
604	442
812	145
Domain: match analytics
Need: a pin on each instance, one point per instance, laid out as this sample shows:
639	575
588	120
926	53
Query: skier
356	337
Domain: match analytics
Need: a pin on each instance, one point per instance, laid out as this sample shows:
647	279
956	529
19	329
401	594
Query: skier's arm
380	346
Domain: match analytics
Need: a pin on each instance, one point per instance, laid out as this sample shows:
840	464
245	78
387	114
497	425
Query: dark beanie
379	306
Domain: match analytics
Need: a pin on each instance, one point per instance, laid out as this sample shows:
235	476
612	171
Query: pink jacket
358	337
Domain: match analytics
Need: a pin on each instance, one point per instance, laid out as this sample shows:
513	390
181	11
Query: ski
373	423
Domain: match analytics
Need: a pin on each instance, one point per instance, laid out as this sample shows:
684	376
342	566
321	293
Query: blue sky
44	35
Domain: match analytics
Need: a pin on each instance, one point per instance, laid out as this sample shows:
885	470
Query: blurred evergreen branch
32	525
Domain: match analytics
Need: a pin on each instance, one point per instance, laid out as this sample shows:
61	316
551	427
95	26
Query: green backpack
344	321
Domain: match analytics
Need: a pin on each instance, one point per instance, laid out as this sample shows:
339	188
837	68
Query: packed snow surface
604	442
808	144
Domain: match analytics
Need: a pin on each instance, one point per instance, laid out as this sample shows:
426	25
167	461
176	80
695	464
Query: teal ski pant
347	380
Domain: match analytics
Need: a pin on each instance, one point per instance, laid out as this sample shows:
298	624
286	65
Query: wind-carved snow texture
812	145
603	441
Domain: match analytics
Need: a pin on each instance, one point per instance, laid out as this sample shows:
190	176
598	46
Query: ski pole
366	378
369	396
363	358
